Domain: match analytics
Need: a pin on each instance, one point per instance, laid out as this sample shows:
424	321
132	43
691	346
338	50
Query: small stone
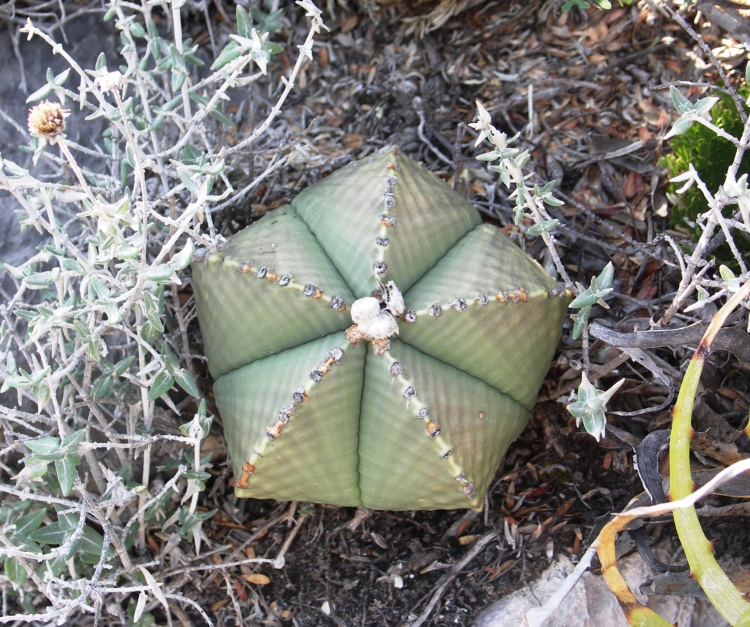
396	369
338	303
435	310
410	393
284	280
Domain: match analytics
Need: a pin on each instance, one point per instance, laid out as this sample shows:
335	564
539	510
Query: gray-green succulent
373	343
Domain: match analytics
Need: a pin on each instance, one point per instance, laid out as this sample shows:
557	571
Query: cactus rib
386	220
435	432
287	280
274	430
521	295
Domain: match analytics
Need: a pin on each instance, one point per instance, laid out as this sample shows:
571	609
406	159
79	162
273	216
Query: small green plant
710	155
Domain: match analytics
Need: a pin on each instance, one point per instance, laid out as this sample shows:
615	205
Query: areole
374	343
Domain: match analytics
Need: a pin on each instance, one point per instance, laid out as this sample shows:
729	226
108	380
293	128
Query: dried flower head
109	81
47	119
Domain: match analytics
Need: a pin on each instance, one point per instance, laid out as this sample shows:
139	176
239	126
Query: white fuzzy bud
383	326
364	312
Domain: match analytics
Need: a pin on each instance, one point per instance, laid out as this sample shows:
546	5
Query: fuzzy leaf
66	472
186	382
704	105
581	318
161	385
49	534
14	571
182	259
28	523
44	446
231	52
681	104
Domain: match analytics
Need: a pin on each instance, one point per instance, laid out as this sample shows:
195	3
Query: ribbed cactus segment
501	314
251	296
374	344
385	210
401	466
314	456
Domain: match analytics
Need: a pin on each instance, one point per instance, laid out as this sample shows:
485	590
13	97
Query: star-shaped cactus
374	343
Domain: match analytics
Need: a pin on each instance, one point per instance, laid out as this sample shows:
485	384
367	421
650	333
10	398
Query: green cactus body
414	405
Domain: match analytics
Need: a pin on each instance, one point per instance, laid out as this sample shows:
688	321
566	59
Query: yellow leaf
257	579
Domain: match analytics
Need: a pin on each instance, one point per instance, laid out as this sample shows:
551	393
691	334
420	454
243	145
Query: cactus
373	343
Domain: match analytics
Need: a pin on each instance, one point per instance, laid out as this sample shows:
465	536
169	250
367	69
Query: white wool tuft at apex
364	311
382	327
373	322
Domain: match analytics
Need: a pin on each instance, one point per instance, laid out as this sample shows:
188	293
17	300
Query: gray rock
591	604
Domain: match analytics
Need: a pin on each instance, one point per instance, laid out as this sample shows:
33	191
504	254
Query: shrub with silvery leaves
93	337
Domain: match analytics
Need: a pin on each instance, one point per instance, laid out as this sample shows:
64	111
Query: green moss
711	156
